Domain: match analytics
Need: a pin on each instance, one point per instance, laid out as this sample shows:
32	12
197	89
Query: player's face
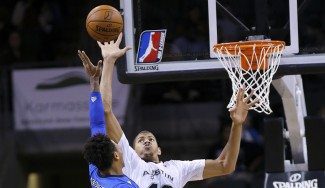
146	147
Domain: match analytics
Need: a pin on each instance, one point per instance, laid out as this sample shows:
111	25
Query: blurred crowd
31	30
37	31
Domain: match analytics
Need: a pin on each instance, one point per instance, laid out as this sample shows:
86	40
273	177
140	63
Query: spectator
12	53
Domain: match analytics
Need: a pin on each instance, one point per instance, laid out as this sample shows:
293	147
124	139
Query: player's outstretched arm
110	52
96	109
226	162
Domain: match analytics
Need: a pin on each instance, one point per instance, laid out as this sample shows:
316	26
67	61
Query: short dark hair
144	132
99	151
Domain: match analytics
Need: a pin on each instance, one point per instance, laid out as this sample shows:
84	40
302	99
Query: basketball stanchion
251	64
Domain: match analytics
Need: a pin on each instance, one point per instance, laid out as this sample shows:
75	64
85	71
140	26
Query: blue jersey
109	181
97	125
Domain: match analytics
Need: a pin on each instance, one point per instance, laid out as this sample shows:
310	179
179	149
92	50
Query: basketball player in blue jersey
142	163
103	155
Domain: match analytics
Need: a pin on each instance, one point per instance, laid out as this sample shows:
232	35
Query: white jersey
170	174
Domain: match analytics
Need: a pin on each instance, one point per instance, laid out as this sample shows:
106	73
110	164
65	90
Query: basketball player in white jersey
142	162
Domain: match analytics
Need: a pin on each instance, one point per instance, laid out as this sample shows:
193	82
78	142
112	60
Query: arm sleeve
130	157
96	118
96	114
191	170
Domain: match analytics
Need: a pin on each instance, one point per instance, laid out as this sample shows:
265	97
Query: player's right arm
96	110
226	162
110	52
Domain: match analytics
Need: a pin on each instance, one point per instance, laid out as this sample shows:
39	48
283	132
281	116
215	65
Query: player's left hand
239	112
112	49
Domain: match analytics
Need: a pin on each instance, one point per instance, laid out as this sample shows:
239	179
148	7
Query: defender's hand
92	70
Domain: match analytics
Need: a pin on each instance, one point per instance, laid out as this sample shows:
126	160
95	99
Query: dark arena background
183	100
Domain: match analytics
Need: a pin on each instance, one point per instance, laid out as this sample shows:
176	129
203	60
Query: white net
253	70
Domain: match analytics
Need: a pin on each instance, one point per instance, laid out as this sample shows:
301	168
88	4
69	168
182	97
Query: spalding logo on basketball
104	23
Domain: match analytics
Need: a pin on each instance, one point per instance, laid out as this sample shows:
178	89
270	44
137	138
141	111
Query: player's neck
112	171
156	160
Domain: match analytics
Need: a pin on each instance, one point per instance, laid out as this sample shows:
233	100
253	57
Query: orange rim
247	48
248	45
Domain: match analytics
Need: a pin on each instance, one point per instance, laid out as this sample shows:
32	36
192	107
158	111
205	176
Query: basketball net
251	64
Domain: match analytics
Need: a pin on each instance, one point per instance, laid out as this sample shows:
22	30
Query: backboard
194	26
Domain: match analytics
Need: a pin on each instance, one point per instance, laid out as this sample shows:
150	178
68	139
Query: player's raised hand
112	49
92	70
239	112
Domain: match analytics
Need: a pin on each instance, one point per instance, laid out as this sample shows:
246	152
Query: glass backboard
194	26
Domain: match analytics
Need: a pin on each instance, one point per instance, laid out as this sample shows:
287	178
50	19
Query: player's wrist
94	83
110	59
237	124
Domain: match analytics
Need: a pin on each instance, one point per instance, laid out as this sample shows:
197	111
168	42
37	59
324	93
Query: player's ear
116	156
159	151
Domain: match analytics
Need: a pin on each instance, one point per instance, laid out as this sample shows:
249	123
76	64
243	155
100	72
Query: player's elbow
229	170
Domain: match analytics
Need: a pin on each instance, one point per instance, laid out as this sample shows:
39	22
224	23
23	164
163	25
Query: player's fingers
100	44
249	97
253	103
125	49
80	56
87	63
119	39
87	58
99	65
83	61
98	68
231	109
240	94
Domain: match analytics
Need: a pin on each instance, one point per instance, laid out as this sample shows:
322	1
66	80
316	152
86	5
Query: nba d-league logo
150	50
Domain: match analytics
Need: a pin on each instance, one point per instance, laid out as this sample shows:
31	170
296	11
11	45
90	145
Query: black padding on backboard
315	137
274	145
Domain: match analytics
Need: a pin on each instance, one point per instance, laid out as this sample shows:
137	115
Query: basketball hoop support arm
291	91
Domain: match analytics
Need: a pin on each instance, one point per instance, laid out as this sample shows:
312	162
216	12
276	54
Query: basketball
104	23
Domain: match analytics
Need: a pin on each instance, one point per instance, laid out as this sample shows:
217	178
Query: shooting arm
110	52
113	127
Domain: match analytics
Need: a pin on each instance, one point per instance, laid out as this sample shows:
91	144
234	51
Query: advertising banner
57	98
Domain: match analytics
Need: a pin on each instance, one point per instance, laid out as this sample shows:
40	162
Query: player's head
102	152
146	146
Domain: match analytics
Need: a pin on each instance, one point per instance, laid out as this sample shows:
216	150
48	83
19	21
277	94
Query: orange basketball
104	23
